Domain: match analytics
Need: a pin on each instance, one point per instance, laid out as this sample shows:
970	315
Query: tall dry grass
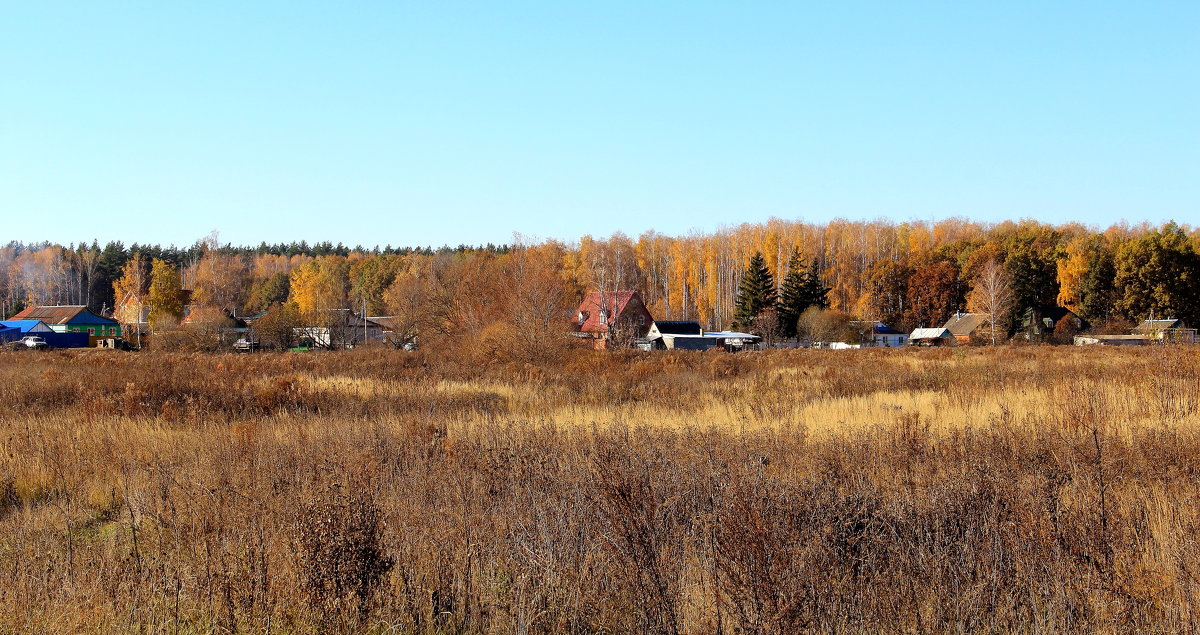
1014	489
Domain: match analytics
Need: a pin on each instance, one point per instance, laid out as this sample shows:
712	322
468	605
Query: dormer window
603	316
582	318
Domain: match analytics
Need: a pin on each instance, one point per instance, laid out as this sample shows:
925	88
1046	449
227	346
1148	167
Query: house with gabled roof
1039	322
71	319
876	333
963	325
1168	330
1151	327
612	318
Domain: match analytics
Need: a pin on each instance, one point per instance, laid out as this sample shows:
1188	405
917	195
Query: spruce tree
792	296
756	293
815	294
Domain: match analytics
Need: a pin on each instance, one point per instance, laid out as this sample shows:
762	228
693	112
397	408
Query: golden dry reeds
1016	489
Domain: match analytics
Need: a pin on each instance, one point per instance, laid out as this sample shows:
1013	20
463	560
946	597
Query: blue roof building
27	326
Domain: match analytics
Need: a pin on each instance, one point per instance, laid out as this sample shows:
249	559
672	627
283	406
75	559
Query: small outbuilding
931	337
1111	340
28	327
734	341
678	334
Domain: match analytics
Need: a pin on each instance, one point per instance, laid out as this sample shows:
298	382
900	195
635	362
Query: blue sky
433	123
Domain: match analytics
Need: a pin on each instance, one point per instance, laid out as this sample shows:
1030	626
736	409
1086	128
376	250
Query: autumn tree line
907	275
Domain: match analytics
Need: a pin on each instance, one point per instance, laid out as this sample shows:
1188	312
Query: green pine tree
792	295
756	293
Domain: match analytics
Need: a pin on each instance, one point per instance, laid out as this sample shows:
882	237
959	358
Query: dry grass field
1017	489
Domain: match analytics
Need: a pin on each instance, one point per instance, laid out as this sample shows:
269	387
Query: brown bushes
795	491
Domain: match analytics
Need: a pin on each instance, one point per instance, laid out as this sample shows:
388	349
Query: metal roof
930	334
27	326
962	324
65	314
1150	326
876	327
731	335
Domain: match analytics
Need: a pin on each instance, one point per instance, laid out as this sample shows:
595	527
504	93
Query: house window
91	331
604	317
582	318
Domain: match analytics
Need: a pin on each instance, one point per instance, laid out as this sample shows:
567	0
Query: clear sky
454	122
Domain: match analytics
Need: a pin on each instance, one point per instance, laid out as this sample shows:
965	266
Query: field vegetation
1006	489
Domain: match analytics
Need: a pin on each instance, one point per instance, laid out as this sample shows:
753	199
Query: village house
133	313
222	325
964	326
1039	322
72	319
877	334
342	328
1166	331
612	318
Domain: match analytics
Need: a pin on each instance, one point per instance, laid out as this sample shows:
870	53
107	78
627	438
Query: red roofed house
612	318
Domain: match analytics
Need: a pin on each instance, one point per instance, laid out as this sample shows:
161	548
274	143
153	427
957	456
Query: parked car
34	342
244	345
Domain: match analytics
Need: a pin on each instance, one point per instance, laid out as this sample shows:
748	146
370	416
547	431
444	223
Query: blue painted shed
28	327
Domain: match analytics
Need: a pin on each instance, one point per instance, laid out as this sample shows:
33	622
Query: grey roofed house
963	325
1169	330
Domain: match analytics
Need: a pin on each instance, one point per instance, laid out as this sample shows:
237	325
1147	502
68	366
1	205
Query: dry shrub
1049	489
339	545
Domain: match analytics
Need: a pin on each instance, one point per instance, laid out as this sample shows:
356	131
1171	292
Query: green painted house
72	319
